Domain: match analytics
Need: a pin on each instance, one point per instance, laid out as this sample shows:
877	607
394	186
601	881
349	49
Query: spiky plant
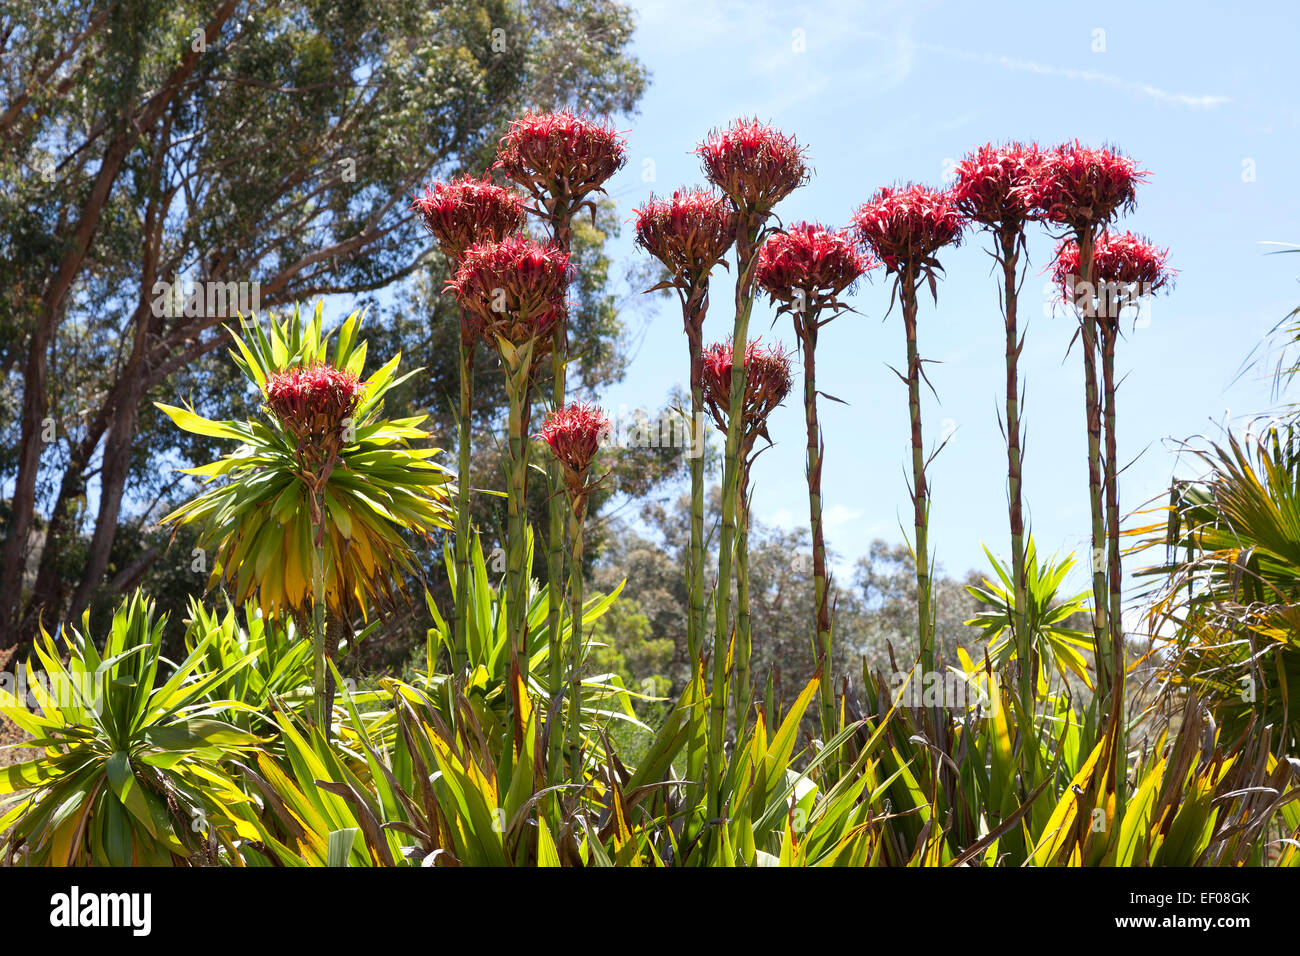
562	160
993	190
1226	599
457	215
905	227
755	166
690	234
311	510
806	270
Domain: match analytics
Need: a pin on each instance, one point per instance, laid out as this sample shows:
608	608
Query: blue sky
884	92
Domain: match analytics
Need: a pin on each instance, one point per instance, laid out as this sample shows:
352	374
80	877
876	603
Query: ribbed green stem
576	640
318	625
557	512
1020	618
806	327
461	637
695	556
517	512
746	249
1109	333
744	648
1100	590
920	491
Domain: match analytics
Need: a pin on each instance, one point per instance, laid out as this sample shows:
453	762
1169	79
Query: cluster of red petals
689	233
1130	264
904	226
312	400
467	210
767	383
810	259
575	434
513	289
1081	187
755	165
560	155
995	184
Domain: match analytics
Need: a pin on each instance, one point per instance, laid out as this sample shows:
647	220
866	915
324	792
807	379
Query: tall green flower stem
744	618
318	617
1088	340
518	365
574	434
515	289
465	437
561	159
755	167
767	383
1009	242
576	637
904	227
1109	331
806	328
994	188
747	245
690	233
907	289
806	268
562	236
460	214
696	615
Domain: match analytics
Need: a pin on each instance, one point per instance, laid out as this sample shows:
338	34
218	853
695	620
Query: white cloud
1191	100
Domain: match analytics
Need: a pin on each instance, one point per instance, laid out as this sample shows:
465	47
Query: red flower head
575	433
467	210
904	226
767	383
809	266
560	156
995	183
755	166
311	402
1083	188
513	289
1125	268
689	233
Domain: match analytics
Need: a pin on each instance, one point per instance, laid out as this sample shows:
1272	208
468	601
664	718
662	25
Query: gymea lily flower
459	214
905	227
560	159
993	188
514	291
1125	267
806	270
314	403
1085	189
575	434
755	167
690	233
466	211
767	383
